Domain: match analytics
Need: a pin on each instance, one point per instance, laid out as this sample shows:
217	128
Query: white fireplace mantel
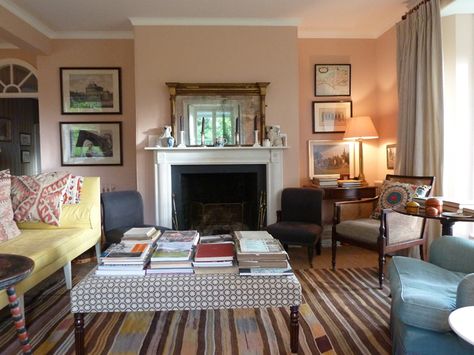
165	158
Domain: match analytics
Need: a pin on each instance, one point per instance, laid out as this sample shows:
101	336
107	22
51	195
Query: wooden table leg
19	321
79	333
294	328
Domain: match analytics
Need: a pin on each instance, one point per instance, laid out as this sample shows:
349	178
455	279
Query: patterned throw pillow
72	194
38	198
395	194
8	227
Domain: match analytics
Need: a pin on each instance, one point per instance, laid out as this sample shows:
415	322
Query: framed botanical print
90	91
391	155
331	116
91	143
332	80
328	157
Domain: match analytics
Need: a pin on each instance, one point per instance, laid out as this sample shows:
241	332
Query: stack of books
458	206
173	253
259	254
329	180
135	235
122	259
214	258
349	183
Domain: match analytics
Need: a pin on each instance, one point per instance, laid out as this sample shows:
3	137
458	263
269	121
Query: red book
214	252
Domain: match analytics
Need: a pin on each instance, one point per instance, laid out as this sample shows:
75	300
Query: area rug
343	313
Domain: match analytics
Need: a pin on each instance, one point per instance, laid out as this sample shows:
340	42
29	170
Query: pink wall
214	54
87	53
18	54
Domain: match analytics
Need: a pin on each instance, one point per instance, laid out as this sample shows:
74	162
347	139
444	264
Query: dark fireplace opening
217	199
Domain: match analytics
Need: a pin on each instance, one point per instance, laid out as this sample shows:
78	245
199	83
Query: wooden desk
346	193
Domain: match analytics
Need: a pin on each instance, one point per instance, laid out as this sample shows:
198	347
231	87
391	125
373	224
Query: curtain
420	94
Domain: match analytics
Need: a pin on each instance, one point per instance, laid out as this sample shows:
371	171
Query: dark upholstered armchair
391	232
299	221
121	211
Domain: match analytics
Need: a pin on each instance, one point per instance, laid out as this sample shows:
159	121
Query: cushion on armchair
291	232
365	230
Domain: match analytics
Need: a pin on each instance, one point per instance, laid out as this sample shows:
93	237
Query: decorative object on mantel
182	143
360	128
166	139
273	134
237	131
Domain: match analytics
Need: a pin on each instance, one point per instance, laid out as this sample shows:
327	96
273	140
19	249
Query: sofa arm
465	292
348	210
453	253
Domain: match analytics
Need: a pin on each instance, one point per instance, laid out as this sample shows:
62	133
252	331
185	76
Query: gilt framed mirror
219	110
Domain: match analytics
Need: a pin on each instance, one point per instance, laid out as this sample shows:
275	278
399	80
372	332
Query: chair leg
381	274
334	248
310	254
318	246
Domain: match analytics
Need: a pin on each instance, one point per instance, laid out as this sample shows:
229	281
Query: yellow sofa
54	247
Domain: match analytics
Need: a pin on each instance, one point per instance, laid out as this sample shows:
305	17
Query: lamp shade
360	128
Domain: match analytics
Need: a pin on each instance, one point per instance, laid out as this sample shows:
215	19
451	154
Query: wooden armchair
352	224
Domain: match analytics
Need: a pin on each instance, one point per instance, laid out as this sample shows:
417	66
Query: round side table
461	322
13	269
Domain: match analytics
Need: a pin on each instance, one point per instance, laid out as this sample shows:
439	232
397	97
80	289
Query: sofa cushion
72	193
364	230
295	232
423	294
38	198
8	227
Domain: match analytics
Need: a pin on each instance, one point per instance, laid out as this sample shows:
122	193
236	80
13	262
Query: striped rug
344	313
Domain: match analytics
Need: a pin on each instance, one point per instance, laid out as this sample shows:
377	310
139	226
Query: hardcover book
214	252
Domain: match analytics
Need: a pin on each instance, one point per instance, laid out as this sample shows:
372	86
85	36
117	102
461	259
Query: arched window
17	79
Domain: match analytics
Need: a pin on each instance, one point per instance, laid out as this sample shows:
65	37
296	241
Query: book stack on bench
124	259
148	235
173	253
215	257
259	254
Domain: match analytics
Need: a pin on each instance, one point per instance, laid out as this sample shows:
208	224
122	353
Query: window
17	79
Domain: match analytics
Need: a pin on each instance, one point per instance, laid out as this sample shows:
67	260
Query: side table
13	269
461	322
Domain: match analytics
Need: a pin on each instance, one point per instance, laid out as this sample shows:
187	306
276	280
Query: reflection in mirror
228	113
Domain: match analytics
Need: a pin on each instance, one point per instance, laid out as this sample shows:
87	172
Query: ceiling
313	18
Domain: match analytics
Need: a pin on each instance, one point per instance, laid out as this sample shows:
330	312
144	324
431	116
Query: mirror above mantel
227	109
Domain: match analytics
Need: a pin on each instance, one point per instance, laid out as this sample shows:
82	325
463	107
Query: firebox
216	199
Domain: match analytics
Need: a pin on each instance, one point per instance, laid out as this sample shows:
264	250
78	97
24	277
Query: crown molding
309	33
28	18
204	21
93	35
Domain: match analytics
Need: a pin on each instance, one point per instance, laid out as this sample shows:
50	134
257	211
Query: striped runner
343	313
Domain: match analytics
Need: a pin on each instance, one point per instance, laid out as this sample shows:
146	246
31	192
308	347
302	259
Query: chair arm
399	228
453	253
465	293
347	210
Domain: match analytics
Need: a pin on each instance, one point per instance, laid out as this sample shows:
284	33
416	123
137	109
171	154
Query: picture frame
25	139
91	91
331	116
391	155
25	156
91	143
332	80
5	129
329	157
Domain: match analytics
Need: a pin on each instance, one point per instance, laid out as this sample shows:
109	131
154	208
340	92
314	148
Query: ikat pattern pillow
8	227
38	198
72	193
397	194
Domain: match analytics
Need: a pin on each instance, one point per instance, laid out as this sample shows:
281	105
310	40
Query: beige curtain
420	93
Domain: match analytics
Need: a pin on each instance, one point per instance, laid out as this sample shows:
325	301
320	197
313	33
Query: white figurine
166	137
273	134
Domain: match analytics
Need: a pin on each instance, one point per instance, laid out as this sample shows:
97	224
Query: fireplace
269	160
216	199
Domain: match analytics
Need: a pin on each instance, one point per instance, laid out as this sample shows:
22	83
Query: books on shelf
220	238
121	253
349	183
139	233
148	240
450	205
264	264
327	181
232	269
214	252
265	249
266	271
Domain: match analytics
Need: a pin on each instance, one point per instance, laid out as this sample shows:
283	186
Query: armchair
390	232
425	293
299	221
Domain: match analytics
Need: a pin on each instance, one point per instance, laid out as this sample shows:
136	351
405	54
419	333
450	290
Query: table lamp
358	129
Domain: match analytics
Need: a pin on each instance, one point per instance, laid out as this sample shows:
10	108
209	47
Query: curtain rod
413	9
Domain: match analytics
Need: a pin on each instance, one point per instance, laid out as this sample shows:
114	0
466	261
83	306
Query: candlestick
181	123
237	125
202	125
255	123
181	140
255	137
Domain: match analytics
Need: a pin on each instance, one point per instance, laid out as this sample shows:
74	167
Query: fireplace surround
166	158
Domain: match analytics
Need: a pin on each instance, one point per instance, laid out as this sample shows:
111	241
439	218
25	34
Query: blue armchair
424	294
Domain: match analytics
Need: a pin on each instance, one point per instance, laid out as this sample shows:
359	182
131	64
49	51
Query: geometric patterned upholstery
182	292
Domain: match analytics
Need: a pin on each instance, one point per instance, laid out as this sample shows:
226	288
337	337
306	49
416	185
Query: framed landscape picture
331	116
91	143
91	91
391	155
332	80
328	157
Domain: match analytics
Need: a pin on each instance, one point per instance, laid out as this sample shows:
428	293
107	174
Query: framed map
332	80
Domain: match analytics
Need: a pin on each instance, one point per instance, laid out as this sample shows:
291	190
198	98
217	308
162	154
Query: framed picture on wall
328	157
332	80
91	91
25	139
91	143
331	116
391	155
5	129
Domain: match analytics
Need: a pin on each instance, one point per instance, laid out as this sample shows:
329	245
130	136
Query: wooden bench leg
79	333
294	328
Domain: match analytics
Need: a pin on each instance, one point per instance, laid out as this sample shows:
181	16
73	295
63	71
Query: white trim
308	33
207	21
93	35
8	61
27	17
